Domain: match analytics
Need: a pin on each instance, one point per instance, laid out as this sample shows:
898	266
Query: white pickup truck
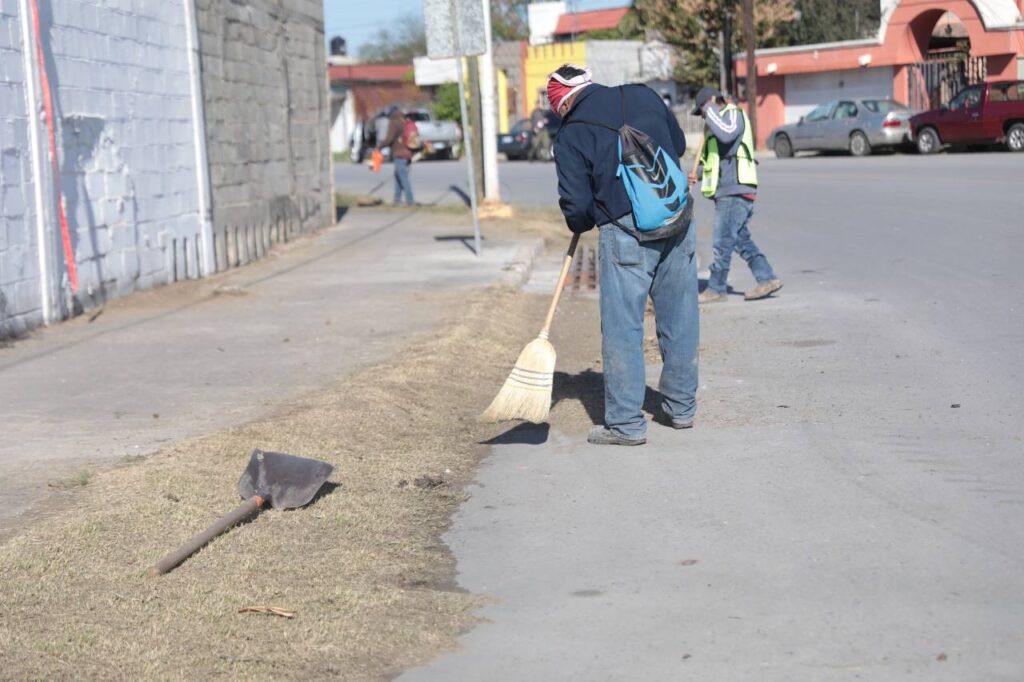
441	139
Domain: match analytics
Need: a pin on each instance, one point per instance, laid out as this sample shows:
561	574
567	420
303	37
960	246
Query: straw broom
526	394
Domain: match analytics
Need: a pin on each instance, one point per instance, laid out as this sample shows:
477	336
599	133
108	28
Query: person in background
540	145
728	175
401	155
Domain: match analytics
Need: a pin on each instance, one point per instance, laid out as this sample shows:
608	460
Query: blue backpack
657	188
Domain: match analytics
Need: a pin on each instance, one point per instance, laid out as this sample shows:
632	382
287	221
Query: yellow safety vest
746	170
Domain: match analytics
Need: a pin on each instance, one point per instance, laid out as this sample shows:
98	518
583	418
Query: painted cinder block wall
143	142
20	305
119	85
267	120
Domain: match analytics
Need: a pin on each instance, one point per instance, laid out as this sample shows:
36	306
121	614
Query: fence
936	81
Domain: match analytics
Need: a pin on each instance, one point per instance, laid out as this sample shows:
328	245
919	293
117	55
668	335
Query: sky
359	20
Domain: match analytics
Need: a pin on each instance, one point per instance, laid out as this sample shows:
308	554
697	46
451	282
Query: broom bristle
526	393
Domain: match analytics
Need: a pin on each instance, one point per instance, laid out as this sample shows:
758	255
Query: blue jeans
732	216
402	181
666	270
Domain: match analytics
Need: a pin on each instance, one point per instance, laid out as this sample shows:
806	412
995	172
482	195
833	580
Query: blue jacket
587	157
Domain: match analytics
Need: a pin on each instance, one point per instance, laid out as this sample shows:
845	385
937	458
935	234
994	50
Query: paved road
850	504
444	182
181	361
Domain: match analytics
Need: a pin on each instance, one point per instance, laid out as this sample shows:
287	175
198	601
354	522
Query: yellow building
541	60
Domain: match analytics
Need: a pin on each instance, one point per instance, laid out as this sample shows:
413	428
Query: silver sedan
855	125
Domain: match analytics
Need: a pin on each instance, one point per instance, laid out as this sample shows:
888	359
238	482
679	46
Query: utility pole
489	112
727	71
748	40
477	156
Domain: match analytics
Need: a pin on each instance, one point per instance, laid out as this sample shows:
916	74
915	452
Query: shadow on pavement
522	434
466	239
588	388
462	194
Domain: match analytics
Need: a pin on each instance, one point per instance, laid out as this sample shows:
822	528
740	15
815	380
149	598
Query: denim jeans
732	216
666	270
402	181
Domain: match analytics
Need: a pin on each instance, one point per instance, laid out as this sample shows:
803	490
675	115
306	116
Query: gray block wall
267	122
20	303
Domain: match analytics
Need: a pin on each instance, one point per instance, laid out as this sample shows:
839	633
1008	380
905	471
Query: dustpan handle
239	513
560	285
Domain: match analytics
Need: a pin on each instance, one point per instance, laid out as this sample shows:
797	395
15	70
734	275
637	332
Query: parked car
984	113
856	125
516	143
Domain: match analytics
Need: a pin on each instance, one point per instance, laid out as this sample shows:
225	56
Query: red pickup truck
983	113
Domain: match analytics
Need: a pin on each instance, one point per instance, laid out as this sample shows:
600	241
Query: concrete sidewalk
810	526
200	356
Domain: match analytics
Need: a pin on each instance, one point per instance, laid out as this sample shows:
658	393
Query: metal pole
748	38
466	137
40	177
208	263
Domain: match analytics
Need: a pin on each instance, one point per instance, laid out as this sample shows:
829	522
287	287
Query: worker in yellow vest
728	175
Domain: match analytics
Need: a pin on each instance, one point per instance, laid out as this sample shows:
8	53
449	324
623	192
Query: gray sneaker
686	423
710	296
763	290
599	435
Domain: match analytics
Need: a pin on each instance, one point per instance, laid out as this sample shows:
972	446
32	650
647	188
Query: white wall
543	18
805	91
20	301
614	62
427	71
120	84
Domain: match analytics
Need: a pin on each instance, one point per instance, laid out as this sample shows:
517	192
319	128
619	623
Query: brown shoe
709	296
763	290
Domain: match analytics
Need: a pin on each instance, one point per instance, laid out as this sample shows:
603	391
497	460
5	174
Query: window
967	99
882	106
522	126
418	116
821	113
845	110
998	93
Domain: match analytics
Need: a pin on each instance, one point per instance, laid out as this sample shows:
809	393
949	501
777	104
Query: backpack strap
590	123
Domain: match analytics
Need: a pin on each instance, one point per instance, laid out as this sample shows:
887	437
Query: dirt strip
363	567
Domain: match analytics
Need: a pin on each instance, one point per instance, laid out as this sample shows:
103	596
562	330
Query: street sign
442	41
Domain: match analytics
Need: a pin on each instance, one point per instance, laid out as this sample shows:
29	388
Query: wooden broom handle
560	285
239	513
696	157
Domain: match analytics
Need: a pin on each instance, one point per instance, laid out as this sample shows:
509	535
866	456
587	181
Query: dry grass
362	567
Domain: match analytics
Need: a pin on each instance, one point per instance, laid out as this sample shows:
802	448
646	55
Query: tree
826	21
399	45
446	103
694	27
508	20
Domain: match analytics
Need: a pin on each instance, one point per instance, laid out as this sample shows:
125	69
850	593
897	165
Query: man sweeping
617	158
728	174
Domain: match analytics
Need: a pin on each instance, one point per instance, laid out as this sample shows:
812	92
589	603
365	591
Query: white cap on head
561	88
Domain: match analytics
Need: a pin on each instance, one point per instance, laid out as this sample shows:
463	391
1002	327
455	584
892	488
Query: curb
517	271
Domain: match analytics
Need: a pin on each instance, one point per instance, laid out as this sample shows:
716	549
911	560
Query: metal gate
936	81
